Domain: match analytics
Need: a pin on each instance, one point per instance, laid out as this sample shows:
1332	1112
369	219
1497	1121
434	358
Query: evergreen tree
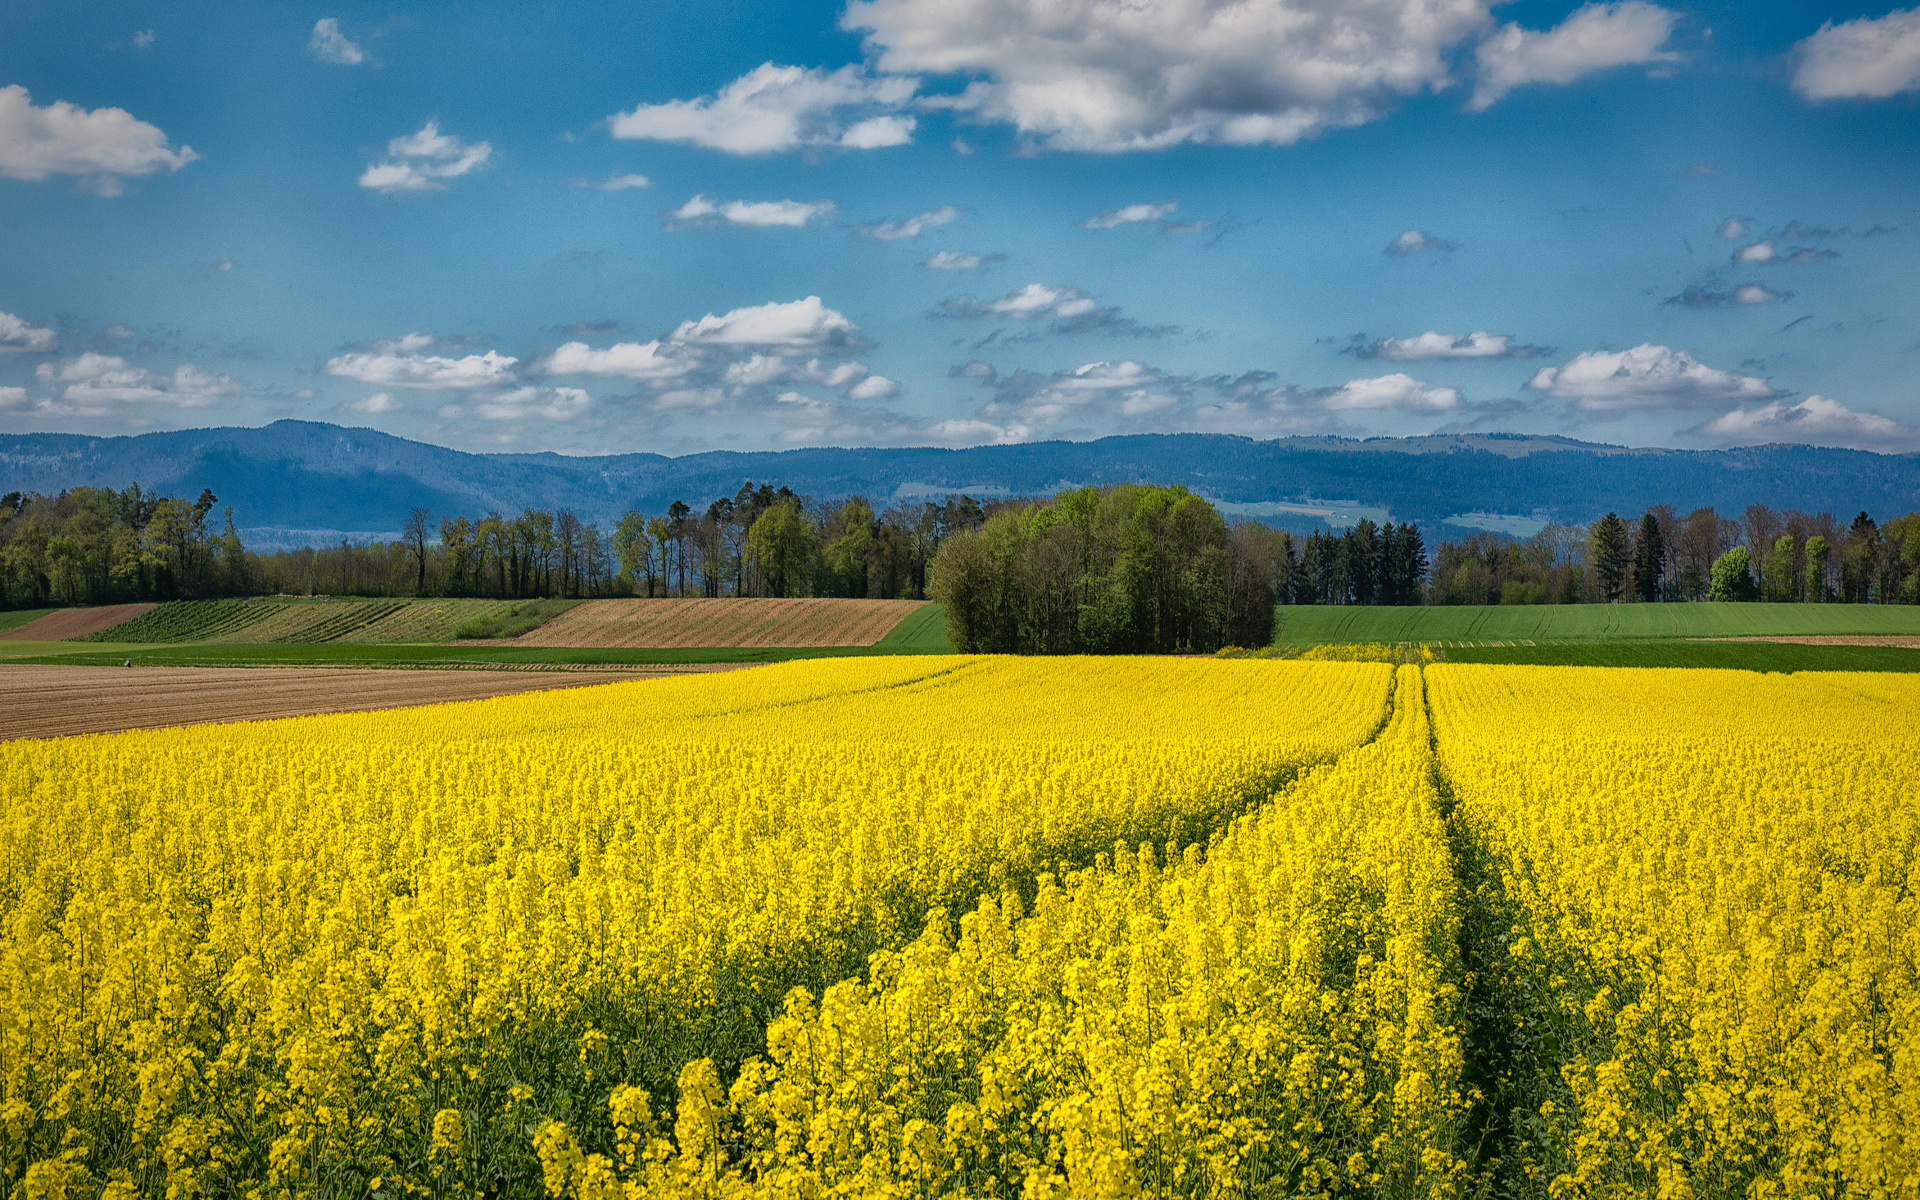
1649	559
1607	550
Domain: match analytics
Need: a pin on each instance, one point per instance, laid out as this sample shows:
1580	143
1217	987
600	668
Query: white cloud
1478	344
103	144
760	214
1769	251
1754	293
1036	301
13	399
914	226
419	162
616	183
1130	214
1735	228
1645	377
374	405
773	108
1396	391
1866	58
143	39
798	324
1414	241
92	381
329	45
1595	38
873	387
1815	420
399	362
18	337
1112	75
959	260
516	404
628	360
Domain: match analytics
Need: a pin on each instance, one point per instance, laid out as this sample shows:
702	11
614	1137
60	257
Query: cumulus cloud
1735	228
18	337
1106	75
92	382
1769	251
701	212
1414	241
914	226
105	146
329	45
1815	420
1478	344
423	161
773	108
376	404
797	324
873	387
1866	58
960	260
626	360
1597	37
1645	377
404	362
1396	391
1130	214
1707	296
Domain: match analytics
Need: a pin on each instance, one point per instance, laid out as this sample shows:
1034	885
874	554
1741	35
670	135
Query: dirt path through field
74	622
1830	639
743	621
52	701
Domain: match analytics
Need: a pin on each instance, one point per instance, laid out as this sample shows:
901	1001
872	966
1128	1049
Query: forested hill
297	481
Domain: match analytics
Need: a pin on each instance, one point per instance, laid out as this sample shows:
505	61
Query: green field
350	654
1737	656
1312	625
284	620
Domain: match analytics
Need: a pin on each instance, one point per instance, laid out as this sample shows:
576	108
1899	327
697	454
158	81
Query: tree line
1784	556
95	545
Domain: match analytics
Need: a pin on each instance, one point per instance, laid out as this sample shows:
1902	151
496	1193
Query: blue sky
679	227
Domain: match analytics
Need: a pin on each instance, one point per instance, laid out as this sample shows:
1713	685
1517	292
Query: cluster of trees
97	545
1765	554
1116	570
1367	564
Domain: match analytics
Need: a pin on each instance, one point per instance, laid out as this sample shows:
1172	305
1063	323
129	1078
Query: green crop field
1737	656
1311	625
924	631
351	654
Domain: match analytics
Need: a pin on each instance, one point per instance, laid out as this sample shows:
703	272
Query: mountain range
303	482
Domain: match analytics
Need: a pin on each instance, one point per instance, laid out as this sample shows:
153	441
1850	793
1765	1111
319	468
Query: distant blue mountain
299	482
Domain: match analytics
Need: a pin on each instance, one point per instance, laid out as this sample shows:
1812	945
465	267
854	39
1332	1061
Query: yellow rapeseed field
981	927
375	952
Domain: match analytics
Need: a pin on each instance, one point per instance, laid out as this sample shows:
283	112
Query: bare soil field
75	622
665	624
1831	639
53	701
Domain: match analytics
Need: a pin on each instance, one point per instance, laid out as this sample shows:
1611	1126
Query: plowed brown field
74	622
51	701
662	624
